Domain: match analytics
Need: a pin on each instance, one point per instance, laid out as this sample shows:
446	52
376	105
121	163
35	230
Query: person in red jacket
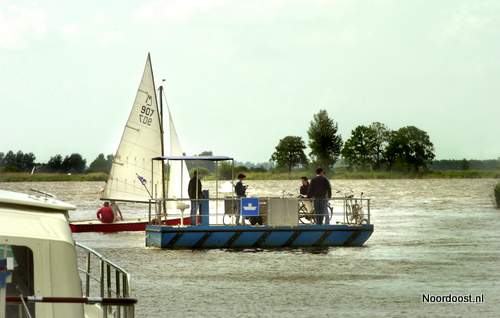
105	214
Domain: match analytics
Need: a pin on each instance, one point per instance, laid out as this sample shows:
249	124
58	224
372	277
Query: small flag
141	179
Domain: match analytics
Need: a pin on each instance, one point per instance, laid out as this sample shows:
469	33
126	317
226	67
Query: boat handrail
119	285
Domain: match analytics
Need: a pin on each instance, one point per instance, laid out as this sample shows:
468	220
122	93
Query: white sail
178	177
130	178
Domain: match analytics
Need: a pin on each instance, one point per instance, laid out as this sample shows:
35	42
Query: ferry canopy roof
189	158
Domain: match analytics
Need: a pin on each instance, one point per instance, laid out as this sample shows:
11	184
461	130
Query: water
431	236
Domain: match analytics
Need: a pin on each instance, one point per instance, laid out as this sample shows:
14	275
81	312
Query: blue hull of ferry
238	237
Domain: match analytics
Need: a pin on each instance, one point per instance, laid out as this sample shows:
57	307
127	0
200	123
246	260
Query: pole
162	151
216	191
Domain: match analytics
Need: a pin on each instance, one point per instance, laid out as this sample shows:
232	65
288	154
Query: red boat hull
122	226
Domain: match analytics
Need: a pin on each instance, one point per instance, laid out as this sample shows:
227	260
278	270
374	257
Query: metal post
125	286
182	176
87	280
149	212
108	279
152	174
162	150
216	192
117	286
369	211
102	278
232	190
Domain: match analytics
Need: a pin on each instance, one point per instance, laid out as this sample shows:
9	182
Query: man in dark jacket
240	191
194	191
321	191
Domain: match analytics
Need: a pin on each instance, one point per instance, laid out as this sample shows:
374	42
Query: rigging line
172	128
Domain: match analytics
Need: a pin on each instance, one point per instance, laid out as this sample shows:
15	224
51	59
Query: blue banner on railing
249	206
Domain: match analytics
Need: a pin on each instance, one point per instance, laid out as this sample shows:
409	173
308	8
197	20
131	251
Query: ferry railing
340	210
111	282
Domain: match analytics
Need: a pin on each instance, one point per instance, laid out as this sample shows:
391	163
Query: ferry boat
260	222
39	265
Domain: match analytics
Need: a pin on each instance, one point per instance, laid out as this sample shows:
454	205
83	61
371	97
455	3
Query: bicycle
354	213
307	214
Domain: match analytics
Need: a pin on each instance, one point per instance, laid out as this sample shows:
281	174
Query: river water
431	237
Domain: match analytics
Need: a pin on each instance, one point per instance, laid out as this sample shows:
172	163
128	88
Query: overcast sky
240	75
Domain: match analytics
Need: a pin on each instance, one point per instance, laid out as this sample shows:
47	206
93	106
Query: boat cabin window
20	264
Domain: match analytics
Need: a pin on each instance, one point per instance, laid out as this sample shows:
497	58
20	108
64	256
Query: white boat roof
45	202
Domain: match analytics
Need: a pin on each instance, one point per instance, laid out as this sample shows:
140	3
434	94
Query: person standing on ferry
320	191
304	188
194	192
240	191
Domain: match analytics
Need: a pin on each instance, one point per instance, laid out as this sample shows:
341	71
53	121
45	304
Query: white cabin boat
41	255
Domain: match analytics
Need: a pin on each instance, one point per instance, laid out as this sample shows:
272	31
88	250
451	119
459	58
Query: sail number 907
145	117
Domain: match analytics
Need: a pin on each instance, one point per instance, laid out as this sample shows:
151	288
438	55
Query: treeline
372	147
464	164
73	163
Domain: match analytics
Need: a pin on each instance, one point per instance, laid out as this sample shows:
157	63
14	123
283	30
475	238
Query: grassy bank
295	175
42	177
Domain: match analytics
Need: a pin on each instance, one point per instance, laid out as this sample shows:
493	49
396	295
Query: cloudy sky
240	75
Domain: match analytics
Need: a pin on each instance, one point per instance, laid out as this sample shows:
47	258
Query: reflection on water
431	236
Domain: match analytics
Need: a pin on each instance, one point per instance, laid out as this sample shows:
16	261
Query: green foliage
453	164
73	163
225	171
290	152
258	169
49	177
382	136
241	168
465	164
360	149
101	164
55	163
209	165
324	140
409	147
497	195
366	147
17	162
202	171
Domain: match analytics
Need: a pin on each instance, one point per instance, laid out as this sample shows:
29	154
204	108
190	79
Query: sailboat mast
162	150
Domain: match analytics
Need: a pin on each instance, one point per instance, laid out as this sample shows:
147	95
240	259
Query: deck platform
265	236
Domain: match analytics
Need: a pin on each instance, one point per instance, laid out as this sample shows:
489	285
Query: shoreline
295	175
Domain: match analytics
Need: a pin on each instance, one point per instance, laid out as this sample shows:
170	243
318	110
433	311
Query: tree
324	141
382	136
360	149
465	164
225	171
55	163
410	147
290	152
10	161
101	164
74	163
209	165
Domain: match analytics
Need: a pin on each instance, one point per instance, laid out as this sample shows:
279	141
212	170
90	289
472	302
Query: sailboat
133	176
